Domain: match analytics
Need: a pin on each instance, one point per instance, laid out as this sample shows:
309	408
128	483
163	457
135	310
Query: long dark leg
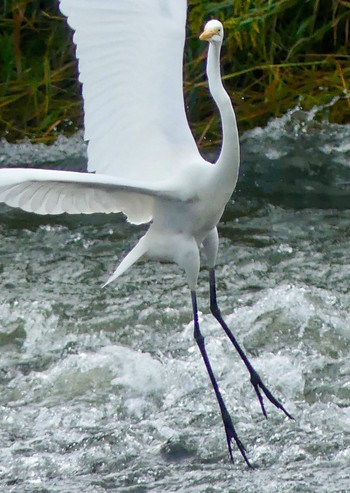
254	377
226	418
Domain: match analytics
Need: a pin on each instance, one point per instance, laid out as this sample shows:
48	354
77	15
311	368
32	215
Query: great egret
142	158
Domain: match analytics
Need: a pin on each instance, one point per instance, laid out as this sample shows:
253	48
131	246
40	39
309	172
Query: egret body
142	158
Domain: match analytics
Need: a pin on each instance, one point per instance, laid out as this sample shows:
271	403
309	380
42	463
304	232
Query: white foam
25	153
280	135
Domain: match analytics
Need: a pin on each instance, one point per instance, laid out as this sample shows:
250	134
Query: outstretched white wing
56	192
131	63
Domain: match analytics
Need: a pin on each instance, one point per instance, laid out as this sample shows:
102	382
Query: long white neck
228	162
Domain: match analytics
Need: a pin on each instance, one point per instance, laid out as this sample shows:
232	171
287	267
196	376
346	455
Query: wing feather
130	62
58	192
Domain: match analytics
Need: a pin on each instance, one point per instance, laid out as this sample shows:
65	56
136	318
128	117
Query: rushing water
104	389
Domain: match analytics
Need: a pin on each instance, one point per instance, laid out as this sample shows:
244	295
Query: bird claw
258	384
231	434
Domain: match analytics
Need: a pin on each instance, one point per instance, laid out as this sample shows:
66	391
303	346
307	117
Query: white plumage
130	62
141	152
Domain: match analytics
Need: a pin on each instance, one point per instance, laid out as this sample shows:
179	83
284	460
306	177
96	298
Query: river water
103	390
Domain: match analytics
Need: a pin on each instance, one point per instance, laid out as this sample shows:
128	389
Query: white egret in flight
142	158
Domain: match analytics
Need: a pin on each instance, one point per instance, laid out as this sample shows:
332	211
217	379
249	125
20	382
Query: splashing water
104	389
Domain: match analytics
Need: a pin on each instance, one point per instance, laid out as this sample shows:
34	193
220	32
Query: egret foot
258	384
254	376
230	431
231	434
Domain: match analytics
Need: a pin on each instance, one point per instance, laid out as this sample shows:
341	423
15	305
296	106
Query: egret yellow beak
207	34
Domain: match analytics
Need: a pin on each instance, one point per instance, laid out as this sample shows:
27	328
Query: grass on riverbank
277	53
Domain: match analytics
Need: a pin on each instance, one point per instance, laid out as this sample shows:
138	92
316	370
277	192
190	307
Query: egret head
213	32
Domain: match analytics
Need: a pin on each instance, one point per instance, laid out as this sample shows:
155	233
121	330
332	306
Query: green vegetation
277	53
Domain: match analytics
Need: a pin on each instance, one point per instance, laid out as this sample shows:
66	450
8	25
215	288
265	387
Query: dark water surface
103	390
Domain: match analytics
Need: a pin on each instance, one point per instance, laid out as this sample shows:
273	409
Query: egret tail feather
136	254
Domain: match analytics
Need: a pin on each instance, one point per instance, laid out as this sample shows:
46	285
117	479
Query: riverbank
277	55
